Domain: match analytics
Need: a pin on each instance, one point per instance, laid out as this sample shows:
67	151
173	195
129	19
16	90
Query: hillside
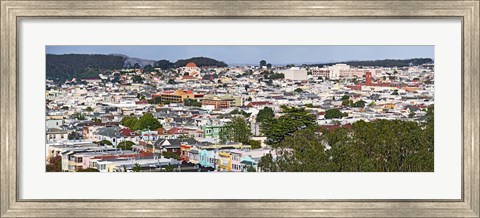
130	62
65	67
201	62
68	66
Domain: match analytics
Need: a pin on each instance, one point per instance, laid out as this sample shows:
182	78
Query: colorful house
224	161
207	158
211	131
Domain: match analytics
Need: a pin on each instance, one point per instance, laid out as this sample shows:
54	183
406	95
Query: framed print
245	108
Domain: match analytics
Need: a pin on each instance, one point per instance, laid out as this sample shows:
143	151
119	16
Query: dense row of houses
192	104
206	156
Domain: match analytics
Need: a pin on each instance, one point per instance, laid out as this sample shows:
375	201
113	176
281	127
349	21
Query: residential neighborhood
205	118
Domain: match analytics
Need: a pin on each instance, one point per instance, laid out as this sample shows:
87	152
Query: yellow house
389	106
224	161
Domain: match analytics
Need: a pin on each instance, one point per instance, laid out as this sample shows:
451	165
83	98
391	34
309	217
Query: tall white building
295	73
337	69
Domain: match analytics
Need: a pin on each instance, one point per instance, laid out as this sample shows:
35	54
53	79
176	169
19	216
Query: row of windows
76	159
53	136
210	131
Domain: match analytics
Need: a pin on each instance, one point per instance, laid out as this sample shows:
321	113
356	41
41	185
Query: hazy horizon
252	54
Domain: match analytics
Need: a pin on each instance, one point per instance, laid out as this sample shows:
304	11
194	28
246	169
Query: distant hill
68	66
382	63
65	67
201	62
130	62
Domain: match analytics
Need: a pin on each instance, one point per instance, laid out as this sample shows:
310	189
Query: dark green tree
164	64
169	168
360	103
136	168
265	114
237	130
303	151
255	144
74	135
334	113
54	164
346	102
148	68
263	63
267	164
137	79
105	142
242	112
78	116
147	121
293	119
125	145
129	121
155	100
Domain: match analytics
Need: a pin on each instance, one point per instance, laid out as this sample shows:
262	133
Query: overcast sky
252	54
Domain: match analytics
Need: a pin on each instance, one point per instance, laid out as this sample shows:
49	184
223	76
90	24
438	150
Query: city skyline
252	54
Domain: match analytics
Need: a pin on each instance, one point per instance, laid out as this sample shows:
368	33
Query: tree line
301	145
81	66
200	62
382	63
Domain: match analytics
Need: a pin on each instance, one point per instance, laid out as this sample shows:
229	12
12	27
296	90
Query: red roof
355	87
258	103
160	131
174	130
191	64
179	130
127	132
188	77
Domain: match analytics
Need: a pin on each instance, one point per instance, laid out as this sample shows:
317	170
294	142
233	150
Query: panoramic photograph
239	108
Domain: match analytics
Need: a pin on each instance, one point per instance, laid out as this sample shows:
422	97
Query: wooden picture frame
13	11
